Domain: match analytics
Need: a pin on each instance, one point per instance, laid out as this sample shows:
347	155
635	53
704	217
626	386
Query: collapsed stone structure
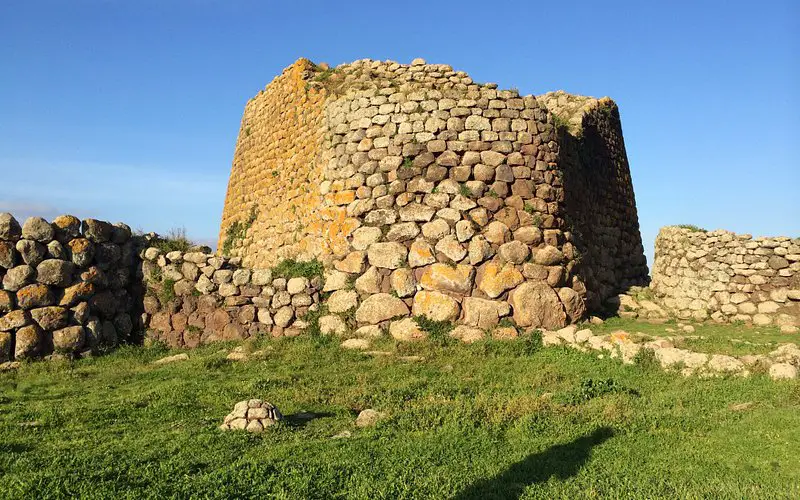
431	194
67	287
727	277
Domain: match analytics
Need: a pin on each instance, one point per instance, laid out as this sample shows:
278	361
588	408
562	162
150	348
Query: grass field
488	420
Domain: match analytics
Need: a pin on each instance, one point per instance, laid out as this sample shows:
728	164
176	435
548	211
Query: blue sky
129	110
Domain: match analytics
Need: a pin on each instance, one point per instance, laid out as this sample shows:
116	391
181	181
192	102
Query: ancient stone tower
463	201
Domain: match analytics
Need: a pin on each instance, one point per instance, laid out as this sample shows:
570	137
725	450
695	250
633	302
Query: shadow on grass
302	418
562	461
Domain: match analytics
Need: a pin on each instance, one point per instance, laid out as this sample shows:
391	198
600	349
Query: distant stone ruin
430	194
725	277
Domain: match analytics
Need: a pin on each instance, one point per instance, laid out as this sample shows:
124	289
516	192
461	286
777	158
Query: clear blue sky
129	110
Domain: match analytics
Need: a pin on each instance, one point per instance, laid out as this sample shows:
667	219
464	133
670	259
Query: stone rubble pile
781	363
252	415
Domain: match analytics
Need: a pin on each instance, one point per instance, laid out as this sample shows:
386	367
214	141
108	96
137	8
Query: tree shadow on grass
562	461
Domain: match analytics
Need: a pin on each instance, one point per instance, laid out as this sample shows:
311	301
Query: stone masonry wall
600	206
727	276
273	193
196	298
67	287
447	198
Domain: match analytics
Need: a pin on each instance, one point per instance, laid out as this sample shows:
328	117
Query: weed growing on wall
437	330
291	268
174	241
692	228
237	231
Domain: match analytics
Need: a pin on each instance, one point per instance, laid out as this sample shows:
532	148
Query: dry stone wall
440	196
196	298
599	202
727	277
68	286
272	206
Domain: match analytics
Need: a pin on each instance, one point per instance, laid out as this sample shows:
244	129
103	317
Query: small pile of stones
252	415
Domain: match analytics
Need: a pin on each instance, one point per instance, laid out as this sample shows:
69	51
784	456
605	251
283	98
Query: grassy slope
491	420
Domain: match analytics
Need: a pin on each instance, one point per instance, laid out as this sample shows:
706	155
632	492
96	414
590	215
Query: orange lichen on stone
277	172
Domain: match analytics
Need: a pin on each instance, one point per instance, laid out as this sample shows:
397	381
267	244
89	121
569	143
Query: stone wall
441	196
599	202
273	198
727	277
197	298
67	287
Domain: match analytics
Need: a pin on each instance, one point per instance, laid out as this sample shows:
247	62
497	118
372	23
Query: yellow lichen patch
620	337
457	279
497	280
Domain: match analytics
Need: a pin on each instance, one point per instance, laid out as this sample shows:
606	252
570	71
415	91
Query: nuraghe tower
467	202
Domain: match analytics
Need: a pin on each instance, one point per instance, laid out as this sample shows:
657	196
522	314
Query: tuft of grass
291	268
438	331
646	360
408	162
175	240
692	228
166	291
464	191
592	388
560	122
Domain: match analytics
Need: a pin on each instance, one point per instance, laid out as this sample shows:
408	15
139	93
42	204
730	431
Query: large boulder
14	319
50	318
484	313
68	340
406	330
573	304
380	307
33	296
38	229
537	305
6	343
28	342
6	302
55	272
18	277
495	280
548	255
9	227
448	278
435	305
67	227
82	251
32	252
8	255
342	300
388	255
97	231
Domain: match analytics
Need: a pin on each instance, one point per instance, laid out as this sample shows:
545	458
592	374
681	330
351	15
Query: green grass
291	268
692	228
488	420
175	240
732	339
